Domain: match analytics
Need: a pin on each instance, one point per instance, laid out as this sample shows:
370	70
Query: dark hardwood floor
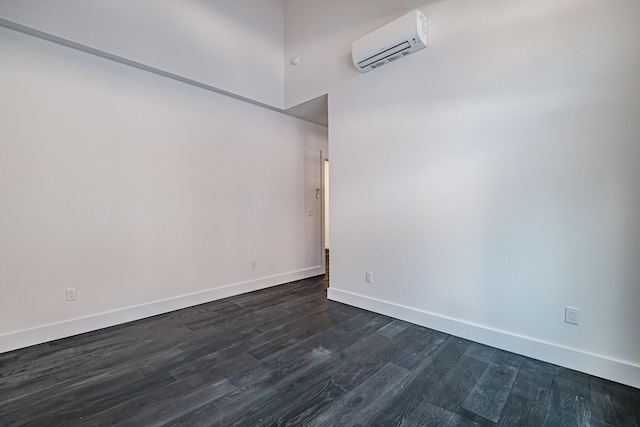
287	356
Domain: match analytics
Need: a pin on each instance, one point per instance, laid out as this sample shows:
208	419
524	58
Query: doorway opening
324	209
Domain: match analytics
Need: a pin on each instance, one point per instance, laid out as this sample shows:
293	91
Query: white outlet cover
572	315
71	294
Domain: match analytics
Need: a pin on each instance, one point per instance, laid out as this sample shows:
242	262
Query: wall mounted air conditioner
398	38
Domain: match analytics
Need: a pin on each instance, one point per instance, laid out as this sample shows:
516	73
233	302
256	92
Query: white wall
235	46
491	179
144	193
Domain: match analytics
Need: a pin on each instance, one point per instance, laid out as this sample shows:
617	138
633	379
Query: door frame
323	159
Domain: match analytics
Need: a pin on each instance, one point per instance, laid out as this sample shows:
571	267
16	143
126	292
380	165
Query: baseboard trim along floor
67	328
597	365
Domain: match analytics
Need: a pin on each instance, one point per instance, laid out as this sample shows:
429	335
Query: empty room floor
288	356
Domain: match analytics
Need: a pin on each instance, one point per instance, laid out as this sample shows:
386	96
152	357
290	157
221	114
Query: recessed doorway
325	212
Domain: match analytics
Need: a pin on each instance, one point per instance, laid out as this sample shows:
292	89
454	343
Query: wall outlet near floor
71	294
253	263
368	277
572	315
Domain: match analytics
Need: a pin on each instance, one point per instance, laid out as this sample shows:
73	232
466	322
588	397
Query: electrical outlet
369	277
572	315
71	294
253	263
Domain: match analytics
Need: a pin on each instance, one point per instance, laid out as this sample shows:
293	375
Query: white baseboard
54	331
601	366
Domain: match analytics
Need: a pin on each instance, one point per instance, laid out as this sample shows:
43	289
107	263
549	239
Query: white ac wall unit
398	38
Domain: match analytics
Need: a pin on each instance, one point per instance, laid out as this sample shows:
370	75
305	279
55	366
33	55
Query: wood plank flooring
287	356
